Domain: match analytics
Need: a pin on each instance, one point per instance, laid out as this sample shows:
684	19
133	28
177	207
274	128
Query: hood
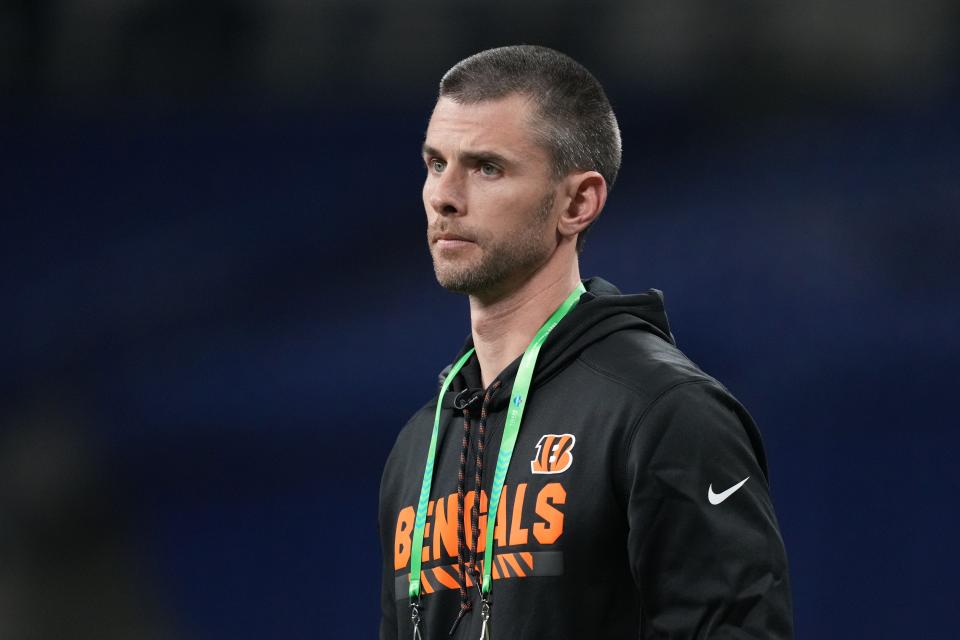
602	310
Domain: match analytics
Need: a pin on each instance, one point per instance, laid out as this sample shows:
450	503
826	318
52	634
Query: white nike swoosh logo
717	498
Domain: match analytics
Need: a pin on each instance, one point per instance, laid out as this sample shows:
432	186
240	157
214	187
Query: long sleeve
704	545
388	609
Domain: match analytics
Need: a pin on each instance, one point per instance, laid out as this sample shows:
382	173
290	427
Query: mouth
447	240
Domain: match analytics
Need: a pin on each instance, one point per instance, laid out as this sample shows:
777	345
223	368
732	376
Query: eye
436	165
488	169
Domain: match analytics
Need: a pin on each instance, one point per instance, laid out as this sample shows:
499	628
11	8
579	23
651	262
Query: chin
456	280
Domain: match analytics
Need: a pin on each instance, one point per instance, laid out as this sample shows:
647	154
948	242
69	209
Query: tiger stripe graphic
524	564
554	453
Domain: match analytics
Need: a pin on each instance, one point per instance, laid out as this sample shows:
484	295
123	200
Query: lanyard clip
485	616
415	618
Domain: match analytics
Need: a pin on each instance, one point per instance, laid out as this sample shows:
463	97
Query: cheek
505	203
425	193
526	209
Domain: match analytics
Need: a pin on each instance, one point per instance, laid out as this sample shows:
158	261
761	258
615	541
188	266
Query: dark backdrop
219	309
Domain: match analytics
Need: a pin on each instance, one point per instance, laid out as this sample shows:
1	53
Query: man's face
489	195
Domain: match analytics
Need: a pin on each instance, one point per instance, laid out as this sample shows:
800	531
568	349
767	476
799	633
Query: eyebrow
474	157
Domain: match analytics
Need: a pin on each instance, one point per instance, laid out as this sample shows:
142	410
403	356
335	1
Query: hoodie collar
602	311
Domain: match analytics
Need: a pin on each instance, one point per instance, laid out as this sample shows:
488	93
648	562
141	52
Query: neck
504	326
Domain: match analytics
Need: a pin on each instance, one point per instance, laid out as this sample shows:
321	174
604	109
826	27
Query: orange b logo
553	453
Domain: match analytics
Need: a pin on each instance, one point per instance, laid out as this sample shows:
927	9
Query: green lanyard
518	400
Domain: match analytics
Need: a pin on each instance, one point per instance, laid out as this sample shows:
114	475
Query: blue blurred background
219	309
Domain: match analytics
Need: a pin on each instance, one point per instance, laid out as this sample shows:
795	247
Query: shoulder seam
626	382
608	376
635	428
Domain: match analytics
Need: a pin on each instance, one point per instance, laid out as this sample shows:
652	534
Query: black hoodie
625	512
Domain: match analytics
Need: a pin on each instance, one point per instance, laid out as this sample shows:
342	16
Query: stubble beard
501	259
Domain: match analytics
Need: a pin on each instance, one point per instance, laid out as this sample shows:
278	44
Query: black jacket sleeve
708	562
388	609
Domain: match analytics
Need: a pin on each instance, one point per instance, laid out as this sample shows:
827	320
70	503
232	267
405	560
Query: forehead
502	125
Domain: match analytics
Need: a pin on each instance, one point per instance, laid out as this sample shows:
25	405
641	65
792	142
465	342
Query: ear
587	193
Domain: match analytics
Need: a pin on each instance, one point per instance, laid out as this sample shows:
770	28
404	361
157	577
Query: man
577	476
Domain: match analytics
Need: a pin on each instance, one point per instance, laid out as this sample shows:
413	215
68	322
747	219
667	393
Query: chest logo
554	453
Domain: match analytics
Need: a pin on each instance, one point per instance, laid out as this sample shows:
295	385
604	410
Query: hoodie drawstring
465	603
475	511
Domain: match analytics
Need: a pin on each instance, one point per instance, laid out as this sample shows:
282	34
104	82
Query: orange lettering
518	535
482	522
445	527
548	531
401	541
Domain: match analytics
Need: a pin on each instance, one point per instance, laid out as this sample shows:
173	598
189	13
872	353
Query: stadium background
218	307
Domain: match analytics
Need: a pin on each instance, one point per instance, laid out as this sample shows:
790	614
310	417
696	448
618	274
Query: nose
444	193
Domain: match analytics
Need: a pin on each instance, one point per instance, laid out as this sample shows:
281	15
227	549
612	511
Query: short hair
578	126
